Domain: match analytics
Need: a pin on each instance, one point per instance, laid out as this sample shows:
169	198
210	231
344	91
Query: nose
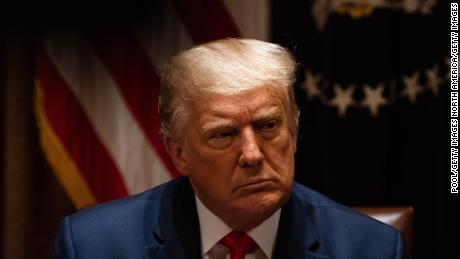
251	155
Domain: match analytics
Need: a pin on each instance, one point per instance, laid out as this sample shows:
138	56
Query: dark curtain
2	122
32	201
398	154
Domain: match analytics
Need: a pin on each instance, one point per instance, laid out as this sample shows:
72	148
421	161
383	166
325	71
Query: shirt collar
213	229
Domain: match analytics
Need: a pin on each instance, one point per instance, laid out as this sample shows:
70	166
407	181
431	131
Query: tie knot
239	244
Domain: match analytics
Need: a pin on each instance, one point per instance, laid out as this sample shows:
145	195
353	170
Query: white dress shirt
213	229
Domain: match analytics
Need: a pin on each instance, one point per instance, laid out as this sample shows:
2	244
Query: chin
254	210
263	203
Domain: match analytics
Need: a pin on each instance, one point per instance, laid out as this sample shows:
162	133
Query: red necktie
239	244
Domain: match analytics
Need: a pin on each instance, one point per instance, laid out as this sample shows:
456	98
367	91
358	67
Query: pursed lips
256	184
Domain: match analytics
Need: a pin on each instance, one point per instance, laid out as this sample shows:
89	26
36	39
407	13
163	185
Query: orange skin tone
238	152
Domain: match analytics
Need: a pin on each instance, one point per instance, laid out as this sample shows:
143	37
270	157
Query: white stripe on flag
104	106
164	36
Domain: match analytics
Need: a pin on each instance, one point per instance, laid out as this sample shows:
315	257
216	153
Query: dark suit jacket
163	223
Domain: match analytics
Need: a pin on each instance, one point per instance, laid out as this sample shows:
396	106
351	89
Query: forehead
248	104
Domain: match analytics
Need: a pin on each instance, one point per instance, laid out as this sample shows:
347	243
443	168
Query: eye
269	129
270	125
221	135
221	139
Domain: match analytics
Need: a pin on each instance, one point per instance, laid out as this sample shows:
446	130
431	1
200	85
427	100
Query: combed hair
229	66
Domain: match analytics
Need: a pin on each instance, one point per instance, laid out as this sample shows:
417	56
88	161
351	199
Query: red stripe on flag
76	133
206	20
138	83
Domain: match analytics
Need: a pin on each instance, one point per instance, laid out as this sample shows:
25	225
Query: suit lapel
297	236
186	220
176	233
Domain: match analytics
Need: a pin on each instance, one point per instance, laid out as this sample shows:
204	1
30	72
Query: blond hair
227	66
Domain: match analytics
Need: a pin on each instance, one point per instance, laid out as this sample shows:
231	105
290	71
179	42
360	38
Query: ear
293	136
177	154
294	141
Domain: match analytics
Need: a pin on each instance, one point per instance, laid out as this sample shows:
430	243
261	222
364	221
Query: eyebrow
271	112
265	114
217	125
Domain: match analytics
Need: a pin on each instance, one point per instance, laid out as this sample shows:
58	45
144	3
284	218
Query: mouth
259	186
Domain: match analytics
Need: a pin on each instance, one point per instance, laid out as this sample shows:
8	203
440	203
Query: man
229	122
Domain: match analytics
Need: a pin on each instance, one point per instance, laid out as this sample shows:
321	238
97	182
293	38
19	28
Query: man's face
238	152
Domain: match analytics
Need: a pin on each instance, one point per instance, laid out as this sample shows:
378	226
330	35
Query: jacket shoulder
343	230
316	202
116	224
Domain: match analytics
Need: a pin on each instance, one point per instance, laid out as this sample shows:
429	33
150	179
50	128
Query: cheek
281	157
212	170
284	148
218	163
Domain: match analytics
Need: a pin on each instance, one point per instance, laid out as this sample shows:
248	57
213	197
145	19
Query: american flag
97	92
